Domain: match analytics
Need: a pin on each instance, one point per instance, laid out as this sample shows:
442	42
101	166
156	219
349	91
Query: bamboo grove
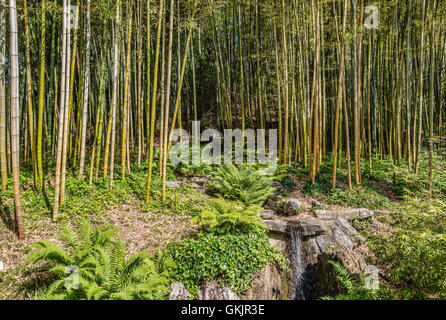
90	86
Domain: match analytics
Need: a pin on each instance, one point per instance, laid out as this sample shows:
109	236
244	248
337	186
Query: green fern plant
243	184
356	290
222	216
99	271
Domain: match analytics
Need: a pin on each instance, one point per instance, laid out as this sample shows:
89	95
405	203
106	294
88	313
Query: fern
356	290
243	184
101	271
222	217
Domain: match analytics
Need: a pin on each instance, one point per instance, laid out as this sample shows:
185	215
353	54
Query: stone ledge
344	214
306	228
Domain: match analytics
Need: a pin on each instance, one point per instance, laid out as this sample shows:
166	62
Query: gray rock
211	291
277	185
198	180
321	244
316	203
269	284
348	230
196	186
341	239
311	227
307	228
268	215
345	214
179	292
292	207
277	226
173	184
274	202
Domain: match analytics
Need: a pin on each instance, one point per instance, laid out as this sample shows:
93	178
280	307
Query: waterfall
298	266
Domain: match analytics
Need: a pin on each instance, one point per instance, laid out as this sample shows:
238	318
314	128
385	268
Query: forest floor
413	269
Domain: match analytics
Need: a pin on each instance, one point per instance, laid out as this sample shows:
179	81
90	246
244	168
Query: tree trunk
15	125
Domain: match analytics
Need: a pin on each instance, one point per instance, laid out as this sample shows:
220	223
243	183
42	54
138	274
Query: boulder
345	214
268	215
211	291
274	202
179	292
277	226
198	180
307	227
277	185
348	230
292	207
269	284
173	184
310	227
316	203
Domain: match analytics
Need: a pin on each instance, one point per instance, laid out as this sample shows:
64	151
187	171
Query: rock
211	291
277	185
269	284
345	214
198	180
179	292
268	215
348	230
306	228
274	202
311	227
316	203
173	184
196	186
277	226
292	207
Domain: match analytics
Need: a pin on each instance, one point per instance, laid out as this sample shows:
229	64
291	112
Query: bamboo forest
222	150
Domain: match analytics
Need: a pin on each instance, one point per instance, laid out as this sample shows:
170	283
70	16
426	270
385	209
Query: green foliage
222	217
356	290
367	195
243	184
415	249
288	183
232	259
202	168
96	256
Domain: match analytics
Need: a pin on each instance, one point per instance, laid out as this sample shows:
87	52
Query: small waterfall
297	265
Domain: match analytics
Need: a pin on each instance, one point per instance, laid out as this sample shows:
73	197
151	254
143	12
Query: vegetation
356	290
91	92
233	259
222	217
95	257
243	184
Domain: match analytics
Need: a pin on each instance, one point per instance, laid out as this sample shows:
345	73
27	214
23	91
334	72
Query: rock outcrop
306	227
178	292
270	284
292	207
345	214
211	291
310	243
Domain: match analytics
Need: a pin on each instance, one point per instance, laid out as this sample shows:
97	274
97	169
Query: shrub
222	217
96	256
232	259
356	290
243	184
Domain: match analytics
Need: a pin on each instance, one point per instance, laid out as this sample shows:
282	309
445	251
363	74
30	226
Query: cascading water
297	265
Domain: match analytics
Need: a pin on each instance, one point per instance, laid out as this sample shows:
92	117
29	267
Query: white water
297	266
